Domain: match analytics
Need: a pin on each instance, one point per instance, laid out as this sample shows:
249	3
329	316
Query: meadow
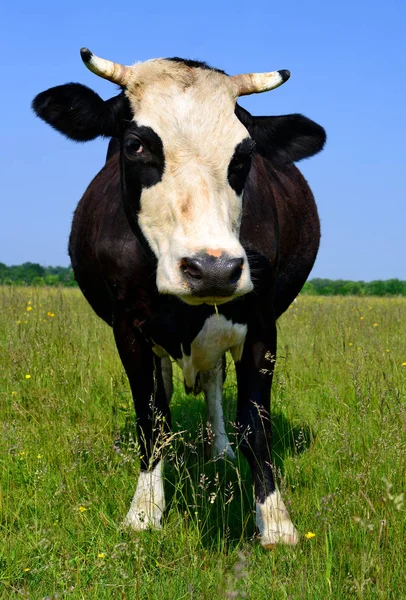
69	462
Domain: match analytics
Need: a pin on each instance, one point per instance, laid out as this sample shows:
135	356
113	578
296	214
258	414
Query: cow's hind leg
153	422
212	385
254	376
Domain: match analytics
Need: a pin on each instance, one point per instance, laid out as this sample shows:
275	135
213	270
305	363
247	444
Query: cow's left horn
107	69
254	83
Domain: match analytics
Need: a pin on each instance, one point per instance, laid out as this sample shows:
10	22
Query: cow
195	236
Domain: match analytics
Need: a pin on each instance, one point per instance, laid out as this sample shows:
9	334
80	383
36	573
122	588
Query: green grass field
69	463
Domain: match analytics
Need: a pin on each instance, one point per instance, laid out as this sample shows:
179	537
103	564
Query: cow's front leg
212	385
153	422
148	503
254	377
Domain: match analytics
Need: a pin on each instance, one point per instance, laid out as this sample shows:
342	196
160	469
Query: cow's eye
238	165
238	170
133	146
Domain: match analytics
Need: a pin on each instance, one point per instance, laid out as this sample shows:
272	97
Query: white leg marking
212	385
148	503
166	368
274	523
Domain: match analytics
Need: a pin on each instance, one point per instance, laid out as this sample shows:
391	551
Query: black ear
284	139
78	112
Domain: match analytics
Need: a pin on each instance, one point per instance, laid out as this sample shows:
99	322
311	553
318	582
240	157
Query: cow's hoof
273	522
141	522
280	533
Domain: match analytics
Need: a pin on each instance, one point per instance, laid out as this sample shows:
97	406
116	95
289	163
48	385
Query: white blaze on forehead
173	98
192	111
193	208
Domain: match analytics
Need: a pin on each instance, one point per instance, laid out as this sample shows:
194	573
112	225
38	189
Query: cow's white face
194	155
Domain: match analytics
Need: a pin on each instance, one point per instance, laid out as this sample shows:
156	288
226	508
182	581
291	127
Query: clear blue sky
348	65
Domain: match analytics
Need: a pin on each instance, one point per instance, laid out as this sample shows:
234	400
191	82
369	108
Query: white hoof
148	504
273	522
140	521
280	532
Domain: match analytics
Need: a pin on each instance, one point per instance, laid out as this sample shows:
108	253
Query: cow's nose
211	276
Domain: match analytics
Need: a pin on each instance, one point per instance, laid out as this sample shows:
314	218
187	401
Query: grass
69	463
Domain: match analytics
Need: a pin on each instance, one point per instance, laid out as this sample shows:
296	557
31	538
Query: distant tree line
342	287
34	274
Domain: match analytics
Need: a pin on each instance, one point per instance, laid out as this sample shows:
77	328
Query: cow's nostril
235	267
191	267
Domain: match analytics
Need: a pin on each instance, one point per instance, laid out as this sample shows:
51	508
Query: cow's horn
254	83
107	69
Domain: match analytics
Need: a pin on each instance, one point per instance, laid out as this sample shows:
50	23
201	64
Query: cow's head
185	156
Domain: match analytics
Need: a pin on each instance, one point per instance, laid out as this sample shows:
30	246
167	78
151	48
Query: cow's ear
287	138
79	113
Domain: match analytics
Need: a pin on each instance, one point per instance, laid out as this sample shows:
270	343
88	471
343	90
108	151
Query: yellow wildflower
387	350
39	455
27	376
361	318
350	344
309	535
403	364
29	302
26	570
50	314
29	308
14	393
376	324
101	555
82	509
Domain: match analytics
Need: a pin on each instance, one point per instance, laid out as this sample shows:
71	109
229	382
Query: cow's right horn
255	83
107	69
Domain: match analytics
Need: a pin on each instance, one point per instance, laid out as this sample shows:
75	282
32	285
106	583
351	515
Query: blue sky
348	65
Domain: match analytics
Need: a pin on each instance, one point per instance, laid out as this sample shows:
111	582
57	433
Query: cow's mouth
210	300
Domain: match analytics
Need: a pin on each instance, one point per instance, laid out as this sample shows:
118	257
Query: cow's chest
200	349
216	337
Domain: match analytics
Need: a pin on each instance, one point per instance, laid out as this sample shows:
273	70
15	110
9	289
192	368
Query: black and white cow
195	236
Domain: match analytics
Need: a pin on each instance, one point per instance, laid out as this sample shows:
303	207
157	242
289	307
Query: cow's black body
116	269
280	231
